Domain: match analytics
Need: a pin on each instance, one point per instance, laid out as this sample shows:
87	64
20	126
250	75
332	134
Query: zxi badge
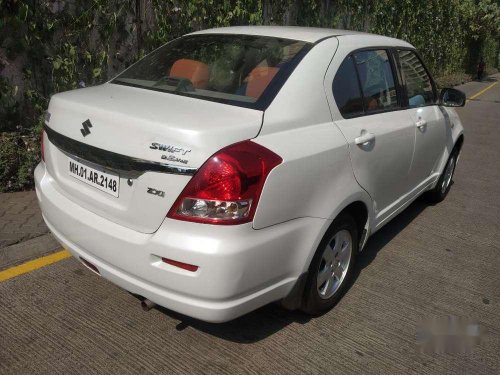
86	125
158	193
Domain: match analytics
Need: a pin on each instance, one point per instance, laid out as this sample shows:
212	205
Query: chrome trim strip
112	160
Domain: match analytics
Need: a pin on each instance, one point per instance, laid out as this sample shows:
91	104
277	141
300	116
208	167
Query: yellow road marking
33	265
482	91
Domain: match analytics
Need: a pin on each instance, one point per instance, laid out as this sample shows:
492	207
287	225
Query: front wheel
443	185
331	269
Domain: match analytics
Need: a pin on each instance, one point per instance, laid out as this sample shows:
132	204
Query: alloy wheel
334	264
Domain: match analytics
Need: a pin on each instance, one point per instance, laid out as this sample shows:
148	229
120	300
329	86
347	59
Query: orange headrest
258	79
195	71
372	103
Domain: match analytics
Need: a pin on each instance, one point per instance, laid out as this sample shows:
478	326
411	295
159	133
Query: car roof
306	34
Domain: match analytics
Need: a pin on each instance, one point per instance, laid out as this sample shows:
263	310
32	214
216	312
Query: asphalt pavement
430	262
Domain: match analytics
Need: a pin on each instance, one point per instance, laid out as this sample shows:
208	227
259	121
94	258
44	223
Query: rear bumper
240	269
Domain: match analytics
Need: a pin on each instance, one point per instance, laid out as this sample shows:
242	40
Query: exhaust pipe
147	304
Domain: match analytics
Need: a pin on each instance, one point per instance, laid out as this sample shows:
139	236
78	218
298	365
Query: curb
33	248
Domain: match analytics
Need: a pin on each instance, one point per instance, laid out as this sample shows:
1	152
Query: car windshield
233	69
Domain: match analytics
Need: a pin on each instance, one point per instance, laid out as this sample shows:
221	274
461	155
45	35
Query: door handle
364	139
421	123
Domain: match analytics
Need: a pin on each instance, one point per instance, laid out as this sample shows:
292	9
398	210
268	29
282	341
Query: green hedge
54	46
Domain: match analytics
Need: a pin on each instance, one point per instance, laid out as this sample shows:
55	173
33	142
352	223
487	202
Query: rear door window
416	80
377	80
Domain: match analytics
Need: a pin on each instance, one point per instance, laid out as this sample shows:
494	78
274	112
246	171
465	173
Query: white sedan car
239	166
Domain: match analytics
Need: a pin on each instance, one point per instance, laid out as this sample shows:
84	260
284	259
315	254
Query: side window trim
401	87
395	75
358	80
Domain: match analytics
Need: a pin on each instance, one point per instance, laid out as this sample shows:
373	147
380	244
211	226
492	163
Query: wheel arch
359	212
459	143
358	206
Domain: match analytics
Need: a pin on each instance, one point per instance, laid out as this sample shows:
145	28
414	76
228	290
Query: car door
379	133
428	119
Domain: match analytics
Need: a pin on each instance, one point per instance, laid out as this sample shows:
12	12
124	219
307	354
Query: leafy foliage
61	45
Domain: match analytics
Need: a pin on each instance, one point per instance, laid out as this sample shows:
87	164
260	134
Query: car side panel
454	129
383	166
315	178
429	142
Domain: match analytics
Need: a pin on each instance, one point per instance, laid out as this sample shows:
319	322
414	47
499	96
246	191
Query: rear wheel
330	272
443	185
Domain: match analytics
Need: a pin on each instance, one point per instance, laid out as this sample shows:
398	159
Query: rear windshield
241	70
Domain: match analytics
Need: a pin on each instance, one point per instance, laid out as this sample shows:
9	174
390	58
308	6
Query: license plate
104	181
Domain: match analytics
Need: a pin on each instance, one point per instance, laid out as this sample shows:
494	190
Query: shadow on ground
486	79
270	319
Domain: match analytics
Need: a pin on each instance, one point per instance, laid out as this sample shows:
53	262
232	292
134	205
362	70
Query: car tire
444	183
331	264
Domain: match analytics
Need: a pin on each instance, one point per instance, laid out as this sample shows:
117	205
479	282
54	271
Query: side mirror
452	98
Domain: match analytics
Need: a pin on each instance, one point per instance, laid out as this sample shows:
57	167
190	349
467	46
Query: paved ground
20	218
431	261
23	234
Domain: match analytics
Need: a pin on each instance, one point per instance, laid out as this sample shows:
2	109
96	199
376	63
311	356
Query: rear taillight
226	189
42	146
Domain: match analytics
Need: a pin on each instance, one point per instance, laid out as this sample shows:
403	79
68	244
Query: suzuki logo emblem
86	125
